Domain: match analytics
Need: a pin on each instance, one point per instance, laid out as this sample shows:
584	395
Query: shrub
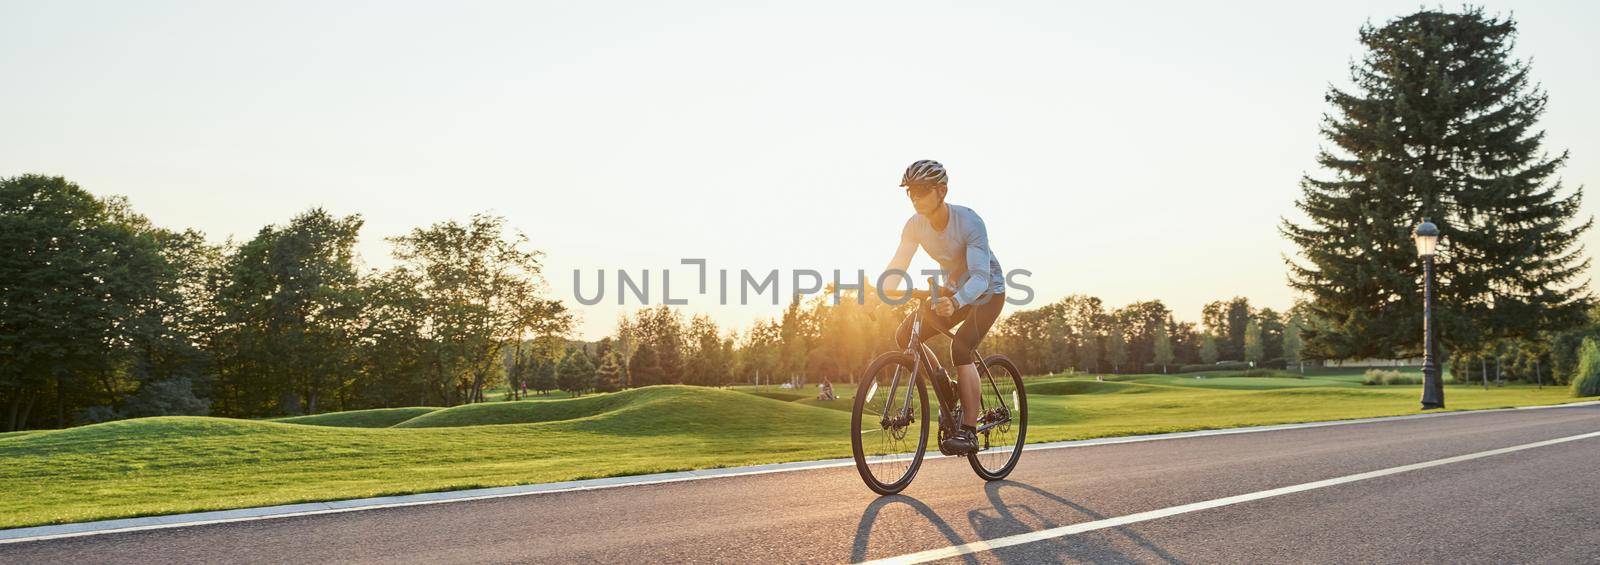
1263	372
1382	377
1586	382
166	397
1224	366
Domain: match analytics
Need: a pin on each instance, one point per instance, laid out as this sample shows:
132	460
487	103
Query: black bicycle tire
856	448
1021	421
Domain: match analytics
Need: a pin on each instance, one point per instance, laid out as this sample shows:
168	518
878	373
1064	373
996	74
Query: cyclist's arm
978	261
901	261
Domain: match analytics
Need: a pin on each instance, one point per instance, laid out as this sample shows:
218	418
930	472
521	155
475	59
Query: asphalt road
1540	504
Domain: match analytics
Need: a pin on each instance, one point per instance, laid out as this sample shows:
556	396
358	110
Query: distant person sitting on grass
826	390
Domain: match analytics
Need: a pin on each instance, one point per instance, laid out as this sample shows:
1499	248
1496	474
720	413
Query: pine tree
645	367
576	373
670	353
1440	125
608	378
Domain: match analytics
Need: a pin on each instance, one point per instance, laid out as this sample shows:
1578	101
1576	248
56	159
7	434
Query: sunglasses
920	190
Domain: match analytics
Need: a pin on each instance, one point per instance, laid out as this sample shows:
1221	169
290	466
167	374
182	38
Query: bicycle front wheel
1003	421
889	424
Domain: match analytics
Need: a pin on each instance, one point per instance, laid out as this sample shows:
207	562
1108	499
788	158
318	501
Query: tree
645	366
608	378
1163	349
1292	345
80	287
1089	353
1440	125
661	328
708	363
1271	333
576	373
758	353
394	348
1140	322
518	368
483	292
1566	345
1253	347
1208	349
1586	381
1227	319
289	310
1116	349
795	339
544	376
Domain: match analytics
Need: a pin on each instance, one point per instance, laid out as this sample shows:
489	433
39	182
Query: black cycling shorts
975	320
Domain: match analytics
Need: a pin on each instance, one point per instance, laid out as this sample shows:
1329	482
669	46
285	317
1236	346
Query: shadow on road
858	552
1005	522
1011	518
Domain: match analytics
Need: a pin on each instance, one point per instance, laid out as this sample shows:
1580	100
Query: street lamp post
1427	238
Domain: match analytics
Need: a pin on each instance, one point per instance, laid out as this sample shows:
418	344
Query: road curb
40	533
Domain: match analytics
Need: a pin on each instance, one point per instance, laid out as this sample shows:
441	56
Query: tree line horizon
105	316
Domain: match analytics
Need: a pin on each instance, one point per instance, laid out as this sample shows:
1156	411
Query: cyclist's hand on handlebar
944	306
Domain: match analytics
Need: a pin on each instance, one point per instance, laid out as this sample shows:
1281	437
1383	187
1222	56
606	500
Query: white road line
123	525
1041	535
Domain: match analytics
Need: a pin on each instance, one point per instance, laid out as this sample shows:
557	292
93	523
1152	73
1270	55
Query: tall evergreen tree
576	373
645	367
1440	124
608	378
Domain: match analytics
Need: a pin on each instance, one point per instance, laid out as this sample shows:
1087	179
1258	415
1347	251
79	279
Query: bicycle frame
923	361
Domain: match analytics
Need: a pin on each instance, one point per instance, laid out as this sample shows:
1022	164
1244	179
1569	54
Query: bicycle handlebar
915	293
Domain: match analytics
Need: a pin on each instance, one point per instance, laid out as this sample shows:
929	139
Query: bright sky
1123	150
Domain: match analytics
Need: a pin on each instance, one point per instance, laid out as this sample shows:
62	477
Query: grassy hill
375	418
1086	387
544	410
184	464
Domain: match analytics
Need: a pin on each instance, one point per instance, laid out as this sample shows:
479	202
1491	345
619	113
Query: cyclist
974	284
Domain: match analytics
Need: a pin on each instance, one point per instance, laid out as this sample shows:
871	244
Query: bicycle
889	463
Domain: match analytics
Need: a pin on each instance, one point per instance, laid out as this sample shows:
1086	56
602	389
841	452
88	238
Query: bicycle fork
892	416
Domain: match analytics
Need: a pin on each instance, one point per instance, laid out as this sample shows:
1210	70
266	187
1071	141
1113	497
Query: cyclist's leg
975	324
931	324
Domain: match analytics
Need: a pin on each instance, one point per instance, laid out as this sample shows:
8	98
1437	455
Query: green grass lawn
1237	383
184	464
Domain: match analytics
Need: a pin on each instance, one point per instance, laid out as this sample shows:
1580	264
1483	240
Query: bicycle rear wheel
889	424
1005	405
